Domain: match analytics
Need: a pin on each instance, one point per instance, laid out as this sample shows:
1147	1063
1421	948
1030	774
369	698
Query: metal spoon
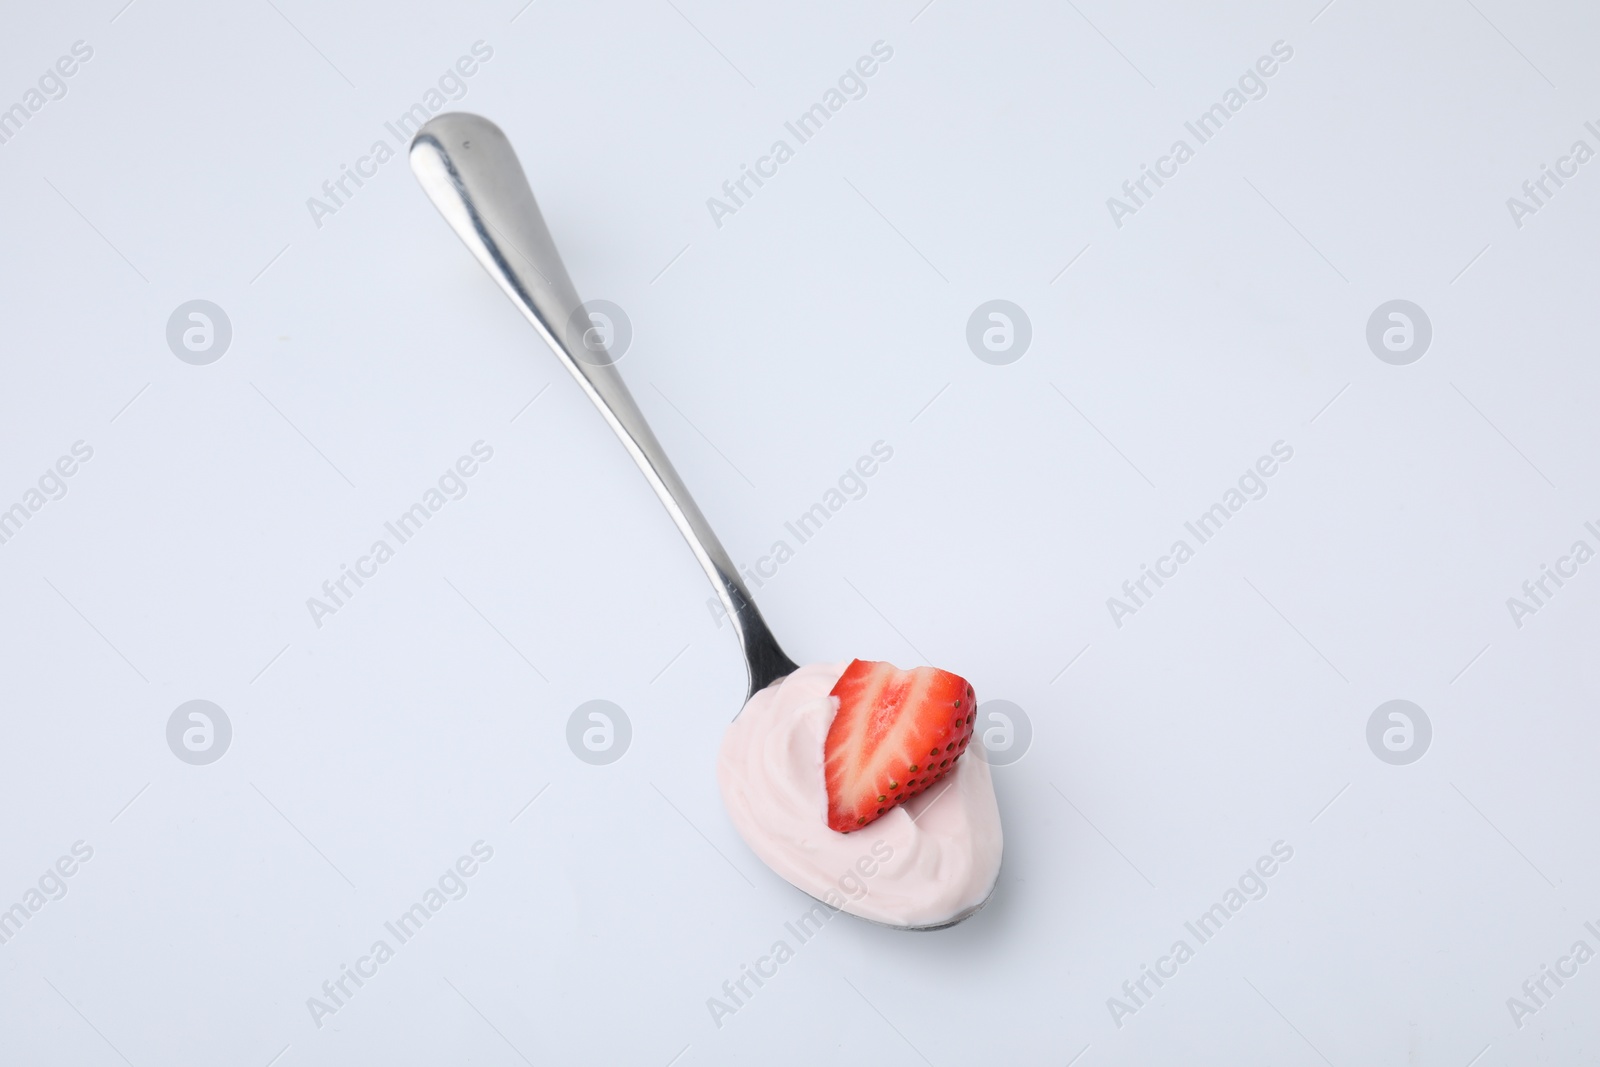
468	169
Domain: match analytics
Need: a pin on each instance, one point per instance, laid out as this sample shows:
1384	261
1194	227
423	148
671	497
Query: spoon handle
470	172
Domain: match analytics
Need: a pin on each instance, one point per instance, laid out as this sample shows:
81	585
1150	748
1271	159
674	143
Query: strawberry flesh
896	733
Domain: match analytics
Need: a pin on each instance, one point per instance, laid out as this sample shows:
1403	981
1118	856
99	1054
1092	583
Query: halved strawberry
896	733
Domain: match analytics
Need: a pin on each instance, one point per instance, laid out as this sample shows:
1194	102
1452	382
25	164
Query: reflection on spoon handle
469	171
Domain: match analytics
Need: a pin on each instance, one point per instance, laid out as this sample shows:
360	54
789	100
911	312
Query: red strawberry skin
895	734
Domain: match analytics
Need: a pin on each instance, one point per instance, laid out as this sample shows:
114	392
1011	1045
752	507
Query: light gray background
830	313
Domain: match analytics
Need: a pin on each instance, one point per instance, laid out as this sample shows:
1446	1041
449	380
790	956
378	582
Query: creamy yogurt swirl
923	863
